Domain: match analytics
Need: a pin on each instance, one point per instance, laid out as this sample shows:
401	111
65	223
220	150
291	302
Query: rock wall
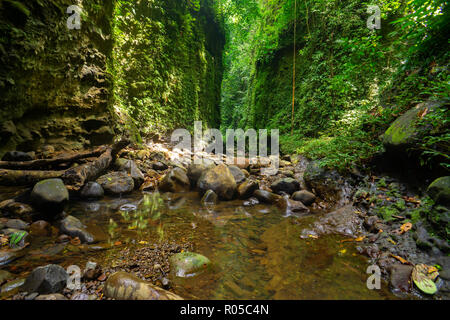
158	62
54	87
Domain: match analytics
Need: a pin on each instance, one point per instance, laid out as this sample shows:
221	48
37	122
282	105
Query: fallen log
45	163
26	177
74	178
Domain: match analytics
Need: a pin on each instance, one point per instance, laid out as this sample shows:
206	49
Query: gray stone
439	190
175	181
247	188
238	175
130	167
50	196
400	276
116	183
17	224
195	171
126	286
287	185
220	180
47	279
17	156
187	264
92	190
53	296
266	196
306	197
74	228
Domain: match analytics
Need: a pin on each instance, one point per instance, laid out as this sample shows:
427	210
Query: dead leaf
404	261
405	227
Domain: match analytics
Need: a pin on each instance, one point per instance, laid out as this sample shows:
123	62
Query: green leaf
425	284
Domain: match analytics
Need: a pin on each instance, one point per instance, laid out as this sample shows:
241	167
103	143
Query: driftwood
74	178
44	163
26	177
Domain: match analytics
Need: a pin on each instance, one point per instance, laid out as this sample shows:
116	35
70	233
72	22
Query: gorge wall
152	65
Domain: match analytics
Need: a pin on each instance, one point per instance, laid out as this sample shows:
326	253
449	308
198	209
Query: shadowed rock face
126	286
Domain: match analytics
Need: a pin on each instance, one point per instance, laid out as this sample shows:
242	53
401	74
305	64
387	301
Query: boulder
50	196
288	185
406	132
130	167
47	279
247	188
220	180
439	190
116	183
175	181
188	264
195	171
125	286
266	196
74	228
92	190
41	228
322	182
237	173
289	206
400	277
160	166
210	197
306	197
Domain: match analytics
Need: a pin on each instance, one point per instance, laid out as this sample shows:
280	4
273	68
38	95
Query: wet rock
220	180
17	156
210	197
306	197
12	287
116	183
15	209
5	276
8	256
80	296
92	271
54	296
47	279
50	196
371	224
160	166
400	277
246	173
322	182
238	175
266	196
130	167
126	286
290	206
187	264
287	185
92	190
175	181
17	224
423	239
74	228
195	171
247	188
31	296
287	173
439	190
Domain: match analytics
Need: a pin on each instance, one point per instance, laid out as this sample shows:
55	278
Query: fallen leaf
102	277
421	279
75	241
392	241
405	227
117	243
404	261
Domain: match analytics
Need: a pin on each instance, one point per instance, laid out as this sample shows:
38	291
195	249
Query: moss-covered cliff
168	63
158	62
54	88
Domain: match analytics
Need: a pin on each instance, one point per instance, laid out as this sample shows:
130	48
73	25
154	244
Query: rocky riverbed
156	226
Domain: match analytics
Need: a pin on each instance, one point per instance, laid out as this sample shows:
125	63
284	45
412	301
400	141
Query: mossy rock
405	132
188	264
439	190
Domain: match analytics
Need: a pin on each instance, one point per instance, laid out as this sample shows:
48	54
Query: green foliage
351	83
167	64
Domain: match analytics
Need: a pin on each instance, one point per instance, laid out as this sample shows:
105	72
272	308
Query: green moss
386	213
